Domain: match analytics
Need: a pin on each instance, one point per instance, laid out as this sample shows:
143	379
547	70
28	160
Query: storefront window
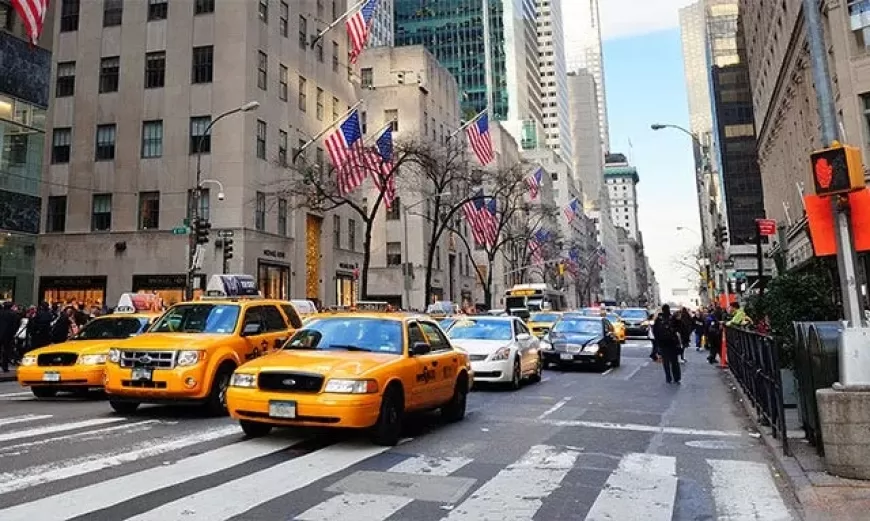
171	289
274	280
90	291
345	290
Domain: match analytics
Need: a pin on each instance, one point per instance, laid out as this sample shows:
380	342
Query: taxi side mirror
523	337
251	329
420	348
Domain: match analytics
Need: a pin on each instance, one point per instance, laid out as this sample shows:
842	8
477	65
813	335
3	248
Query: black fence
753	360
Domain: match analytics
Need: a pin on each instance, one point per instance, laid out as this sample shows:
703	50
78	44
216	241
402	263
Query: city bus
535	297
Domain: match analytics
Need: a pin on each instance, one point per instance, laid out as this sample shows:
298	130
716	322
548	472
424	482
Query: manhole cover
716	444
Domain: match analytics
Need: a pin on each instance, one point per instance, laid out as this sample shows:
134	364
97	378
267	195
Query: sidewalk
822	497
8	377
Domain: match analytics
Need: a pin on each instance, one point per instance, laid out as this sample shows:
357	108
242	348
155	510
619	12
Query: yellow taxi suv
541	323
189	354
356	370
78	364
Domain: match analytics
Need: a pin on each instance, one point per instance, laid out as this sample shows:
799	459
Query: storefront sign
347	266
82	282
141	282
275	254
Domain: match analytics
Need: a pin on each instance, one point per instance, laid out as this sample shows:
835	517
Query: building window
394	254
198	126
203	7
61	141
366	77
261	139
263	9
282	148
69	16
101	212
155	69
364	121
303	32
334	56
282	82
203	64
66	79
392	116
105	149
393	212
152	139
55	218
283	19
109	73
865	99
351	235
318	50
334	108
336	231
204	205
260	212
149	210
319	100
319	159
157	9
113	11
303	94
282	217
262	70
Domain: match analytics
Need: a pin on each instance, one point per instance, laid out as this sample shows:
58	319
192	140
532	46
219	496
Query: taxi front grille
149	359
477	358
56	359
295	382
143	384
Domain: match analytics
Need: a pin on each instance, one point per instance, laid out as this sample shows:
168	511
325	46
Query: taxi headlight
502	354
346	386
92	359
591	348
186	358
28	360
243	380
114	355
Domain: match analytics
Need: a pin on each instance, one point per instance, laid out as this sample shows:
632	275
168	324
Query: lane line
745	491
642	488
605	373
635	370
517	492
561	403
236	497
105	494
12	395
657	429
51	429
24	418
95	432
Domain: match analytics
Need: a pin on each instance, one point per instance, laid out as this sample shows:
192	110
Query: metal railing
753	361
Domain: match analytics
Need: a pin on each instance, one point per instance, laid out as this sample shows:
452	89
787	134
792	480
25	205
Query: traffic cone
723	355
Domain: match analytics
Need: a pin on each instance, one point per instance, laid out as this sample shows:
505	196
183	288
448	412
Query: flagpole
467	124
324	131
335	22
378	133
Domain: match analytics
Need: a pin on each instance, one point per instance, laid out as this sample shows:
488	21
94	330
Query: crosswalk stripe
745	491
10	450
55	471
60	427
15	395
263	486
23	419
642	488
102	495
378	507
517	492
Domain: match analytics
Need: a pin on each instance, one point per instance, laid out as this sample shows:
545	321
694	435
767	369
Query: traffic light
228	248
837	169
201	229
720	234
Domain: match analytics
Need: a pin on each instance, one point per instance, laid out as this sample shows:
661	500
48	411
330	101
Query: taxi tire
44	392
216	404
388	429
618	361
255	429
539	372
124	407
454	410
516	376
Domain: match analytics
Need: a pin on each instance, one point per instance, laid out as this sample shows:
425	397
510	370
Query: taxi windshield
544	317
635	314
373	335
578	326
198	318
111	328
481	330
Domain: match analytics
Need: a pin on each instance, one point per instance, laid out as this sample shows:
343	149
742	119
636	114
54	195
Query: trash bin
822	342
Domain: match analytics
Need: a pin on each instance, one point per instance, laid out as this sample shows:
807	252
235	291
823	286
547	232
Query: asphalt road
619	446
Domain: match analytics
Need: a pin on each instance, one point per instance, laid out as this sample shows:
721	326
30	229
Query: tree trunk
367	261
430	260
487	288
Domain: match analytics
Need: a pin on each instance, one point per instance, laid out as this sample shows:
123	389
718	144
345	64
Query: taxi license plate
567	356
50	377
141	373
282	409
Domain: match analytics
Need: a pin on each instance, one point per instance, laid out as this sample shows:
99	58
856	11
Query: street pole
759	254
406	275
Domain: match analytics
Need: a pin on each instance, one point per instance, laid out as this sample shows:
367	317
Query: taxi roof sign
138	303
239	285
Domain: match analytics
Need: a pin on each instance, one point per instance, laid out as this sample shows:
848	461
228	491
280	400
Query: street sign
739	275
180	230
766	227
223	234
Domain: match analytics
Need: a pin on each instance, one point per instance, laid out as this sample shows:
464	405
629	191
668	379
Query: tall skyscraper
621	179
382	25
554	82
588	155
584	51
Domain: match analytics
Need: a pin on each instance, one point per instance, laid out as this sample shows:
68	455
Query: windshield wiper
348	347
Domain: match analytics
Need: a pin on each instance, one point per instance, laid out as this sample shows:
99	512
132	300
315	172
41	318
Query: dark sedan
636	321
576	340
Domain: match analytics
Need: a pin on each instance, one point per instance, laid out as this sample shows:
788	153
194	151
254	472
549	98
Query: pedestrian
713	332
8	323
62	326
666	330
654	354
687	323
738	316
39	326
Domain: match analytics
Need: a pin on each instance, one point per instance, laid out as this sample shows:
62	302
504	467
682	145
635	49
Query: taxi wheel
255	429
388	428
44	392
618	361
216	405
539	372
516	376
124	407
454	410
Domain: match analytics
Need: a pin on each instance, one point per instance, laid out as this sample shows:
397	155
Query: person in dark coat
714	326
666	331
40	326
686	326
61	327
8	328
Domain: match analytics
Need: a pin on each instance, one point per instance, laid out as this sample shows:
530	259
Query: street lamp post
197	191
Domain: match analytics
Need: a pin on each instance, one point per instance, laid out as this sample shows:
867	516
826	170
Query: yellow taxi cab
78	364
541	322
189	354
618	326
361	370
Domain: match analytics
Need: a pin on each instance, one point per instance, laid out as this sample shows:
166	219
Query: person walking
666	332
699	319
40	326
654	353
686	326
8	323
713	330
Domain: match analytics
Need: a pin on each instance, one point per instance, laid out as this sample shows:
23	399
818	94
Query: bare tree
693	261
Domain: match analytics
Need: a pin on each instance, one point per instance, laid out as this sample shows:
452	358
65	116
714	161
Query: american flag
473	214
491	221
534	182
536	246
32	12
358	27
572	210
348	154
480	139
383	157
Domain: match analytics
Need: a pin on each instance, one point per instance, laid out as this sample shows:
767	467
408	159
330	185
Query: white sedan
502	349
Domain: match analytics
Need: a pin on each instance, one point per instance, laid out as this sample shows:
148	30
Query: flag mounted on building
534	181
348	154
491	221
383	157
480	138
536	246
359	26
475	219
32	13
572	210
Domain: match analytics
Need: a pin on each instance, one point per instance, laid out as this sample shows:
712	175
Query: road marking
561	403
605	373
378	507
13	395
631	427
102	495
263	486
517	492
545	379
51	429
636	369
97	432
745	491
642	488
24	418
55	471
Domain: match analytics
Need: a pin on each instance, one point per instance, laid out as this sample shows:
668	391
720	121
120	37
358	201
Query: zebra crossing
213	473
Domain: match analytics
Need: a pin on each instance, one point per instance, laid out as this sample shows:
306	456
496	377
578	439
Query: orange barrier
723	354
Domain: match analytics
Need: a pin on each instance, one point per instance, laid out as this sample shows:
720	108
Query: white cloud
622	18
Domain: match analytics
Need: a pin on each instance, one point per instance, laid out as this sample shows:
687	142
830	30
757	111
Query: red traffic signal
837	170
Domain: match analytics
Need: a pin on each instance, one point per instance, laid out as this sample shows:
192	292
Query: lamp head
221	196
251	105
657	126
